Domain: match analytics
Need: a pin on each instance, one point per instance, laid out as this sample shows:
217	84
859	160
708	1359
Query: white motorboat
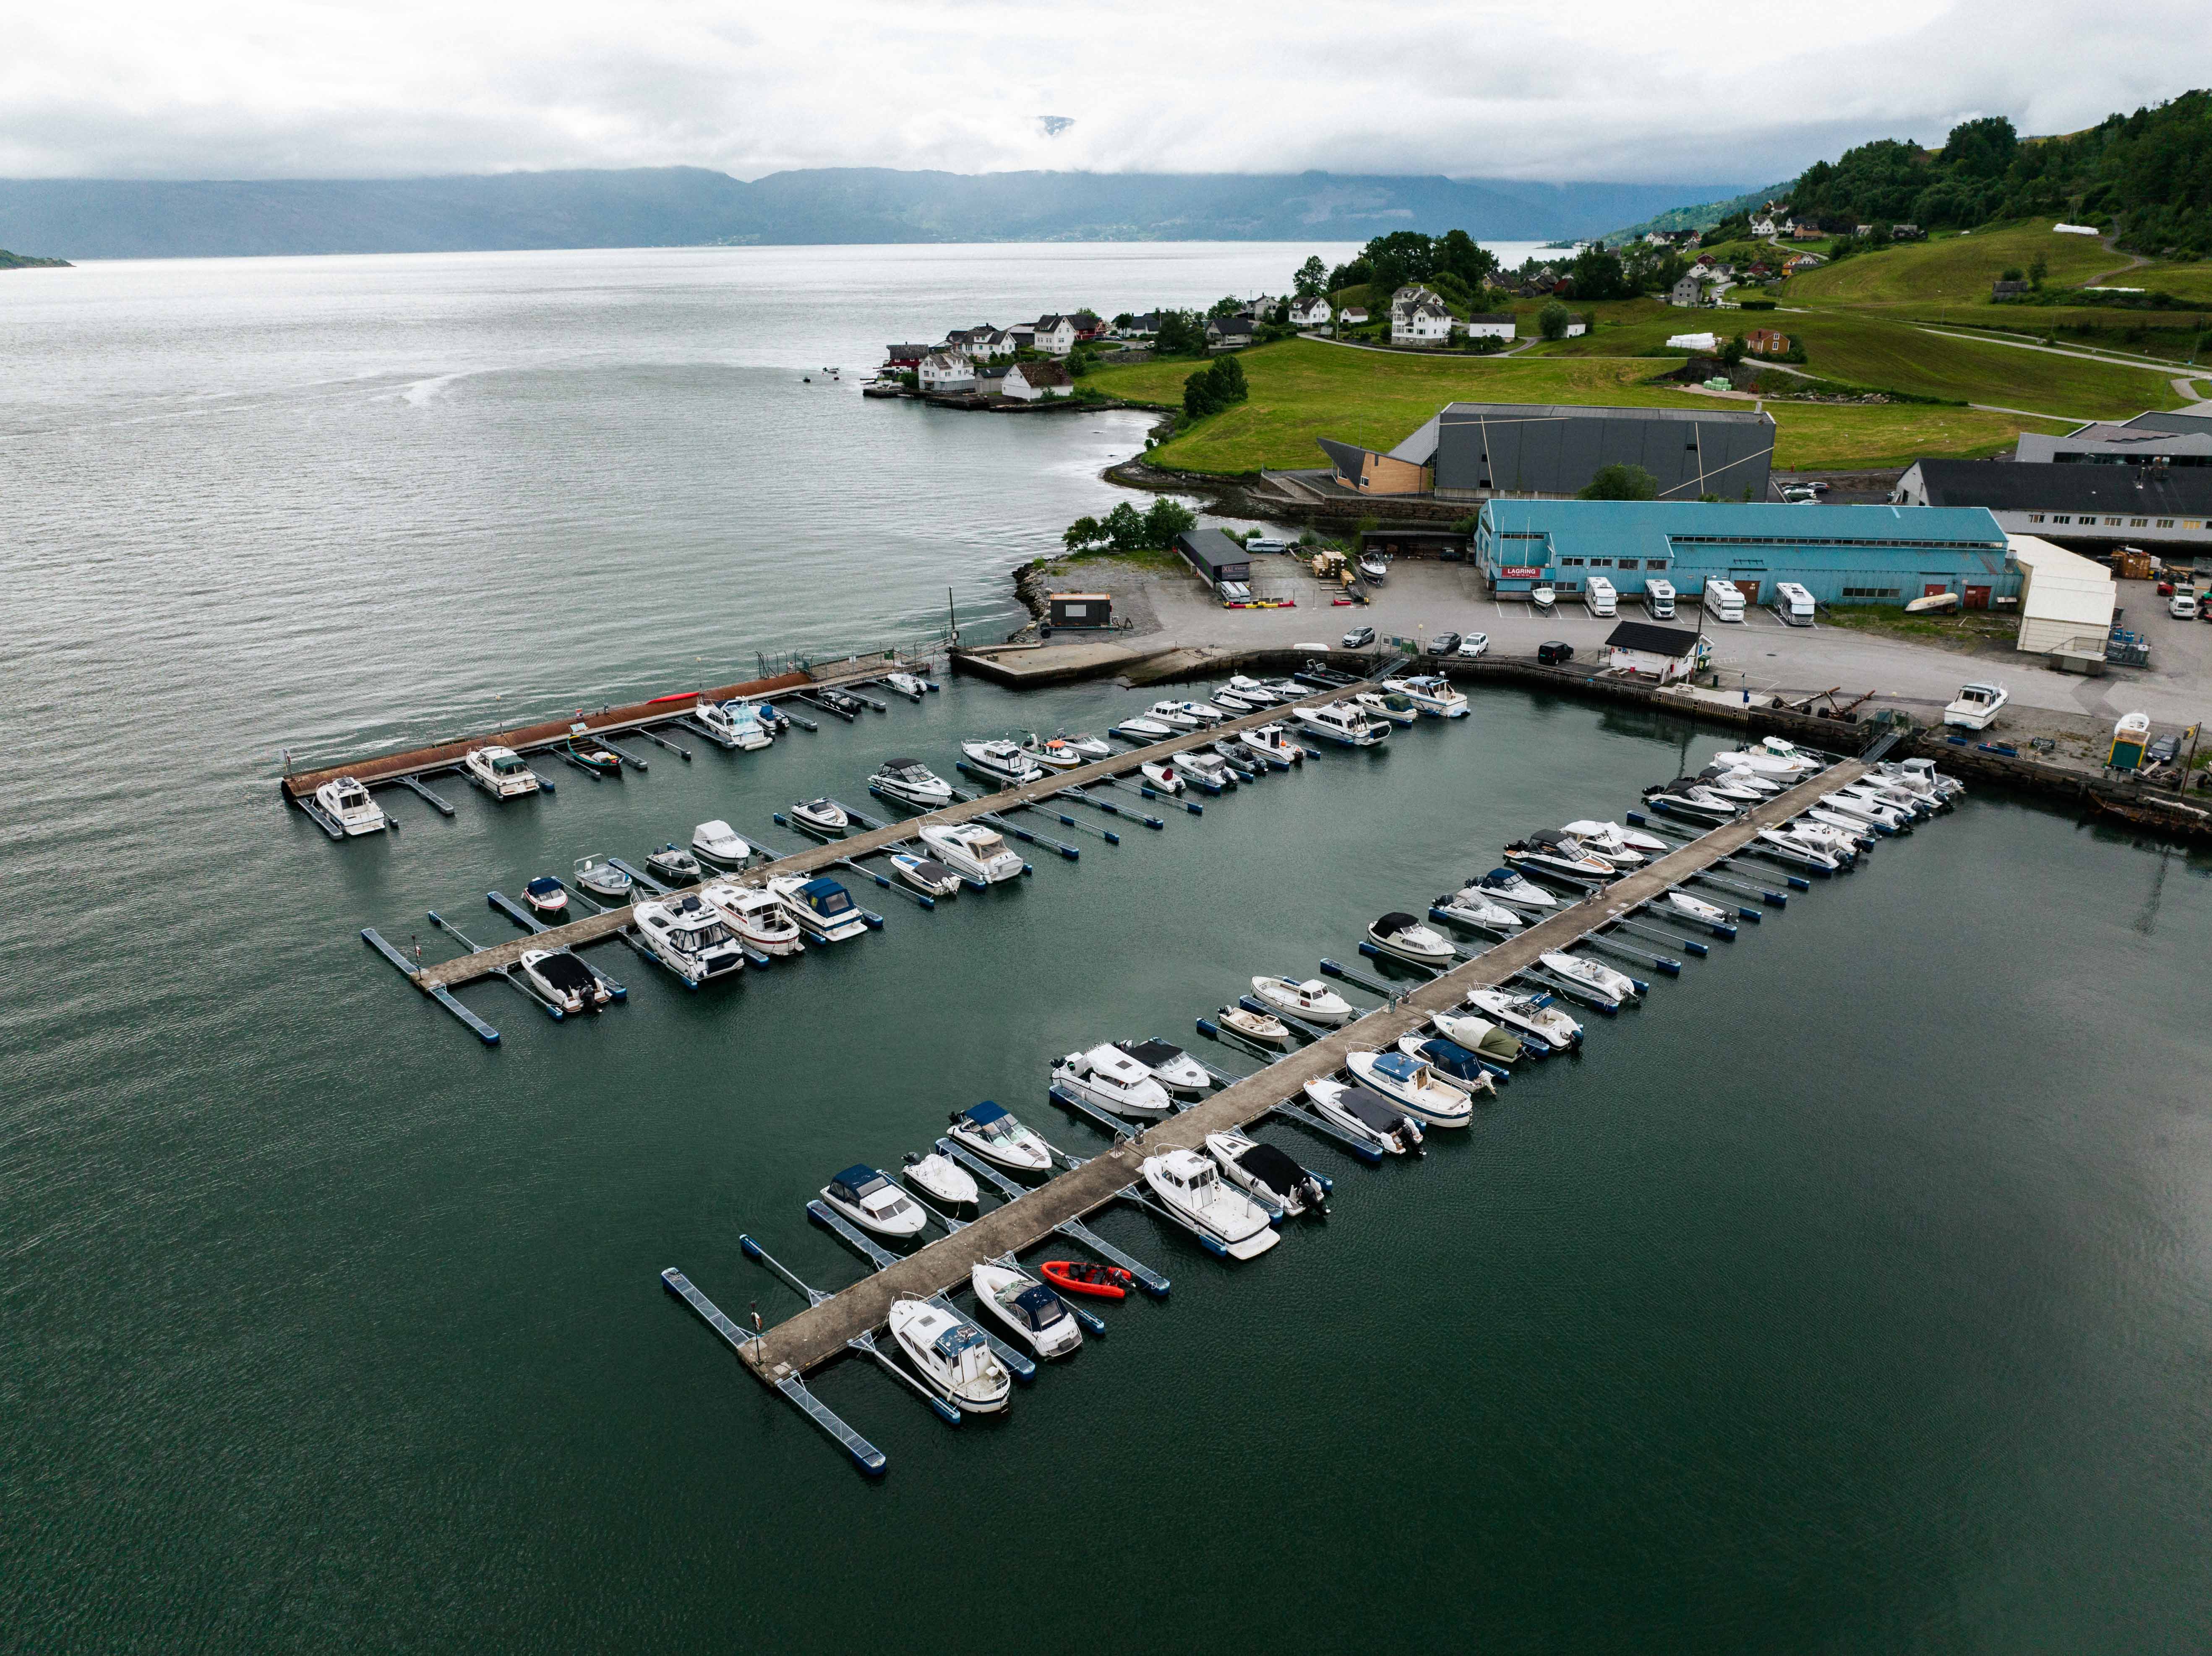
672	866
1283	690
347	803
1259	694
1736	786
1451	1061
1919	784
1161	774
500	772
1948	786
1373	569
562	978
719	843
1532	1014
1393	704
926	874
1273	741
991	1131
1206	770
1547	851
1435	695
1267	1172
716	719
1144	728
867	1197
1399	934
906	685
1312	1000
1504	885
1976	706
824	910
545	895
1344	722
1255	1025
911	783
737	721
1190	1187
1860	831
1108	1077
1698	909
942	1179
1782	766
952	1356
600	877
1686	793
822	815
1039	1317
757	917
1903	800
1172	714
1838	843
1172	1067
1053	753
688	937
1414	1084
1743	776
1787	845
1089	746
1237	702
1366	1115
974	851
1883	817
1470	906
1591	974
1604	838
1204	711
1479	1036
1002	760
1543	599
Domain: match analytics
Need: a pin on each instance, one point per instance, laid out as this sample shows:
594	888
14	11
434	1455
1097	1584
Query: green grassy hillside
1958	268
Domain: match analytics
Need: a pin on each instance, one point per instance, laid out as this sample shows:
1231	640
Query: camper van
1659	599
1723	602
1793	605
1598	596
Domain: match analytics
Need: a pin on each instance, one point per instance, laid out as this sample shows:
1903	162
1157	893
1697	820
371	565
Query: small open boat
1161	774
926	874
941	1177
1081	1277
1254	1026
545	895
823	816
592	756
602	878
906	685
674	865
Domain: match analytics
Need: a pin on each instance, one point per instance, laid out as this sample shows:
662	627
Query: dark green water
1852	1296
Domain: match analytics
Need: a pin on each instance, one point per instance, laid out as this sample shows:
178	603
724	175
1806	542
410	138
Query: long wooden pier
485	961
822	1331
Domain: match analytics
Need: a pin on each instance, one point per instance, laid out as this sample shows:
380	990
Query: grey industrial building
2179	441
1476	451
2084	506
1214	555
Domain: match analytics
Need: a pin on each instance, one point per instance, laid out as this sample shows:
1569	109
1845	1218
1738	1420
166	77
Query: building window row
1869	592
1838	542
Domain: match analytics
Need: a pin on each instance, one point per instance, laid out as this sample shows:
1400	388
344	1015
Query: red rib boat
1075	1277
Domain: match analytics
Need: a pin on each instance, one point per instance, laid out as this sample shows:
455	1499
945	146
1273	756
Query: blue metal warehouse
1840	554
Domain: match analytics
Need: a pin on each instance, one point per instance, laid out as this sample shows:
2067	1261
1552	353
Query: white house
1056	335
984	343
1419	317
1576	330
1310	312
1031	382
946	371
1666	653
1353	316
1490	325
1762	226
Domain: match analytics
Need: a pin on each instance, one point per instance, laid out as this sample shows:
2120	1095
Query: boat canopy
565	972
1272	1168
987	1112
1039	1306
1152	1054
543	886
901	767
856	1180
1451	1057
1395	922
825	896
1371	1107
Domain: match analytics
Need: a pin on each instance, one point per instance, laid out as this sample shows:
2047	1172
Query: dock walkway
821	1332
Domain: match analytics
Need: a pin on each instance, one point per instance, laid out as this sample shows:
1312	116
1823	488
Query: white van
1723	602
1659	599
1793	605
1598	596
1266	543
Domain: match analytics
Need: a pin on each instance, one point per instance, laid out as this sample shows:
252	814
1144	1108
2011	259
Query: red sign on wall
1520	571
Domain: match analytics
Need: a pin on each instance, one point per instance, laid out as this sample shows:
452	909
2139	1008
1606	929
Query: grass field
2189	281
1302	390
1954	268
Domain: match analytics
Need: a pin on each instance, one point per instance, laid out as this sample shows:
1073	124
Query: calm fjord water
1853	1296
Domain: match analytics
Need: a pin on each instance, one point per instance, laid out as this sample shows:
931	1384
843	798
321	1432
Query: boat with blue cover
824	910
992	1131
950	1355
867	1197
1411	1084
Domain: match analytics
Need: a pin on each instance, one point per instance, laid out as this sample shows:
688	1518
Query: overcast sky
1600	89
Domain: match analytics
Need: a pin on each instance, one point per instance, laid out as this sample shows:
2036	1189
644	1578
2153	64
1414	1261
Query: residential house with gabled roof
1228	333
1087	326
1420	316
1352	316
1054	335
905	356
1030	382
1491	324
1140	327
1310	312
947	372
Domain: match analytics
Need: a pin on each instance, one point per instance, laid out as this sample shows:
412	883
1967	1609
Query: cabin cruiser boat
1273	741
1254	1026
1341	722
1413	1085
1950	787
500	772
1002	759
1434	695
1977	706
1283	689
1469	906
866	1196
1902	800
824	909
757	917
1039	1317
1237	702
1173	715
1312	1000
846	707
545	895
1393	704
1161	774
1916	784
688	936
974	851
1259	694
1480	1036
823	816
1399	934
1689	794
1590	974
1367	1116
563	979
911	783
1743	792
1108	1077
926	874
672	866
602	878
1860	831
1543	599
1208	770
1172	1067
719	721
1189	1186
1546	852
1083	742
990	1131
1839	843
1532	1014
1055	755
1503	885
1450	1059
942	1179
952	1356
1144	728
906	685
1606	840
1782	768
347	803
1374	569
1788	846
1204	711
1698	909
718	843
1267	1172
1883	818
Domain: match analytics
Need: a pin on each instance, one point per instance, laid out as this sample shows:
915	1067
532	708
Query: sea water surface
1856	1294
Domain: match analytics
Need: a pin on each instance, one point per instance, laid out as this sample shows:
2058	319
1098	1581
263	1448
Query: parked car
1265	543
1553	653
2165	589
1445	643
1360	637
2182	606
2164	752
1473	645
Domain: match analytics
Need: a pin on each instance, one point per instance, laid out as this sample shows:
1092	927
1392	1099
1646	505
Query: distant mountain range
686	206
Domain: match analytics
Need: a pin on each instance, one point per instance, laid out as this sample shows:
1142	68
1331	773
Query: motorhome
1793	605
1659	599
1598	596
1724	600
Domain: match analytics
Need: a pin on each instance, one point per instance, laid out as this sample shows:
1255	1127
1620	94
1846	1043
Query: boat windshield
702	935
1040	1306
986	844
871	1188
827	903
